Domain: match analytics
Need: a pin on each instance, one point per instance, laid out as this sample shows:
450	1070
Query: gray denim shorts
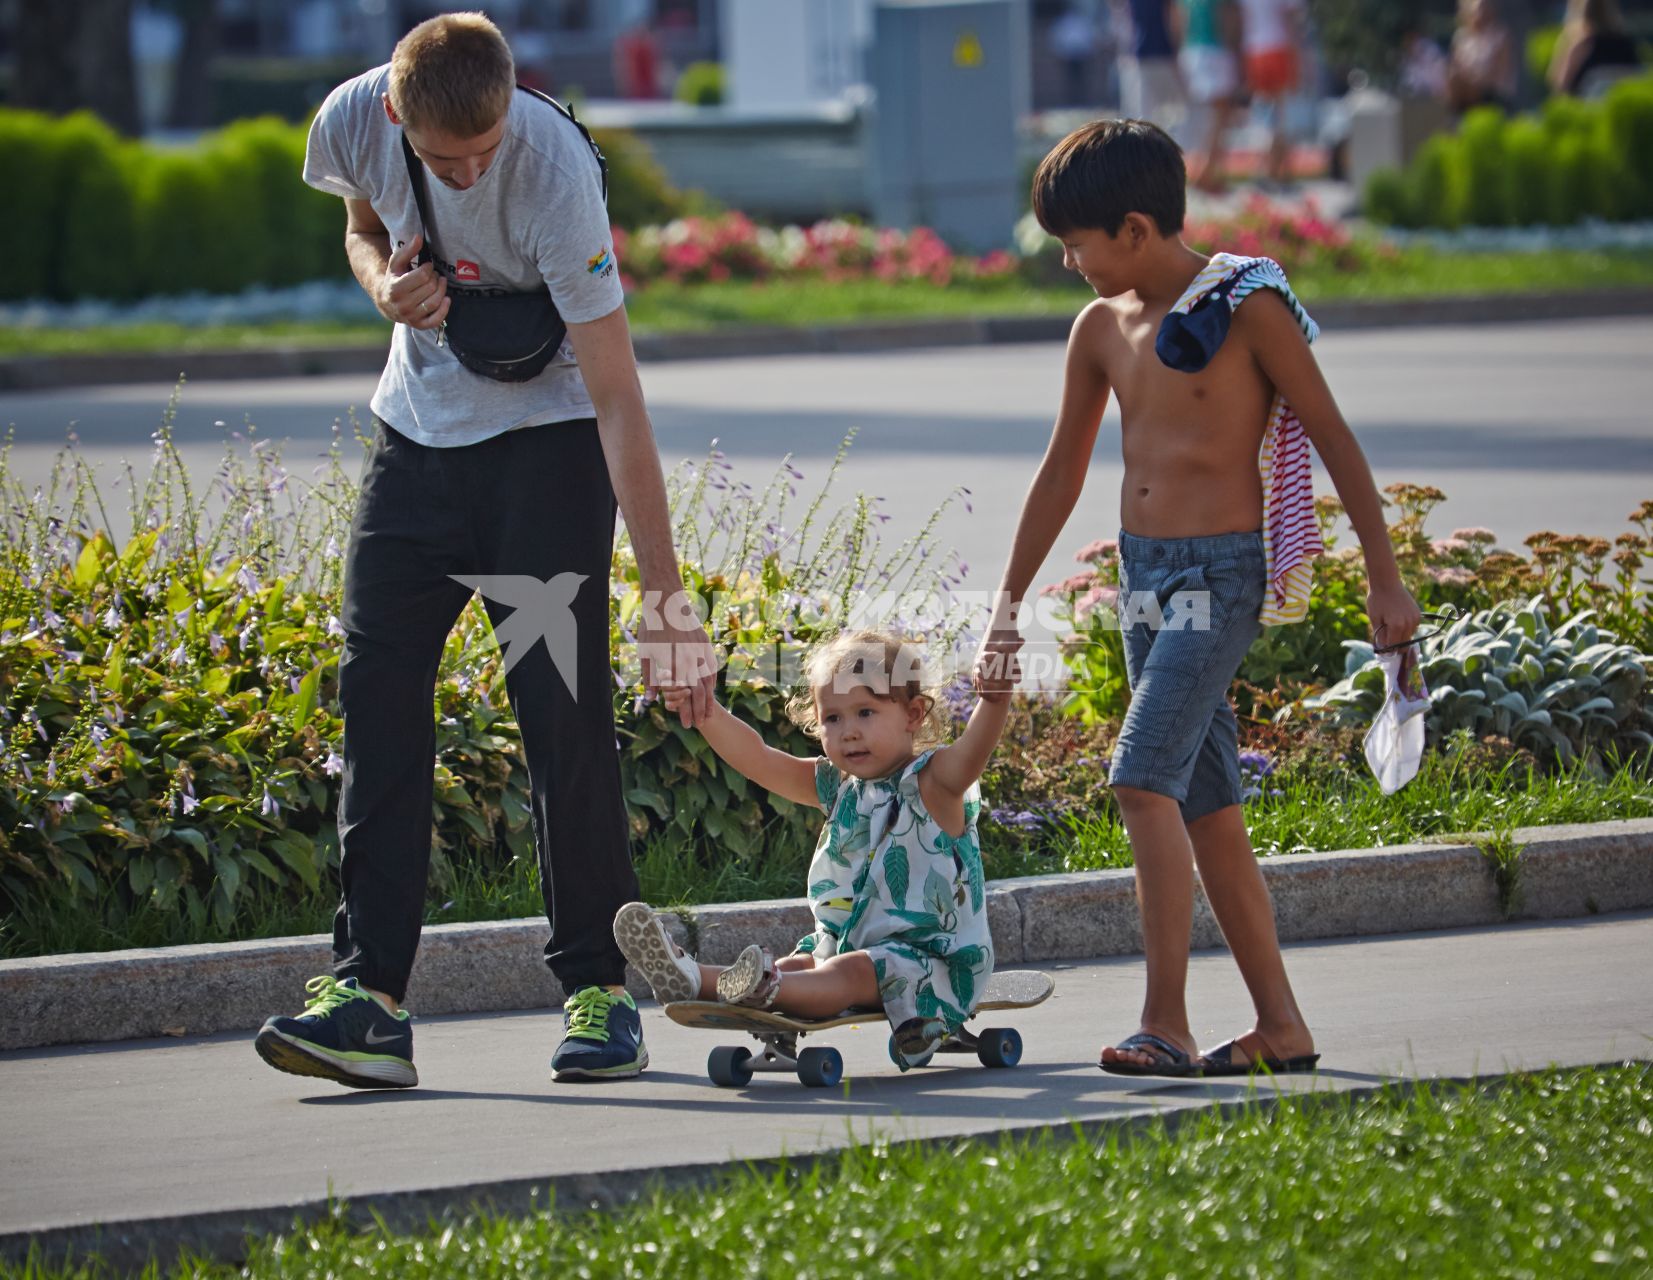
1188	610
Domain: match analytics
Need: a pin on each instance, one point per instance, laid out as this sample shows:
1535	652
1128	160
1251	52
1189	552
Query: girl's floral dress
887	880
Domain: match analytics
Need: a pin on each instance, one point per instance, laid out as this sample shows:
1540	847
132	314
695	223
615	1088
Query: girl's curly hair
889	667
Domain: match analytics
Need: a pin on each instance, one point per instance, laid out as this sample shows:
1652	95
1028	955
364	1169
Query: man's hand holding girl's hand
414	296
679	664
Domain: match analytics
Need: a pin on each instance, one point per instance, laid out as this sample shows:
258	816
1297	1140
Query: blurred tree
1365	35
47	75
191	106
79	54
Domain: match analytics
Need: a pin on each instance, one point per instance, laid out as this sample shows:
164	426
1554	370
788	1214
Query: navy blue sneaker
602	1037
343	1035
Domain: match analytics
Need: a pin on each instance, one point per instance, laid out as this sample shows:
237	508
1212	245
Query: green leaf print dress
887	880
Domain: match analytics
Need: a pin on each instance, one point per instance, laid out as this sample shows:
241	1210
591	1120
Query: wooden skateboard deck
1012	989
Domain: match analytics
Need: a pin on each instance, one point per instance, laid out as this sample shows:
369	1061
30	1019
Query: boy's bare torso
1190	439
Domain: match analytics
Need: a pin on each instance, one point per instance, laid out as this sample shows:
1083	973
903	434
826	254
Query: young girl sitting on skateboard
896	884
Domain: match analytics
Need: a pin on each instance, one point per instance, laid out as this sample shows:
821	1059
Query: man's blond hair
453	74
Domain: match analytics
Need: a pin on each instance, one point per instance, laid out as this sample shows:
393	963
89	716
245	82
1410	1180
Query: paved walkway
126	1132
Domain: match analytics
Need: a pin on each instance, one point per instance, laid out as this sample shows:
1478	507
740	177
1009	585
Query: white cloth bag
1394	743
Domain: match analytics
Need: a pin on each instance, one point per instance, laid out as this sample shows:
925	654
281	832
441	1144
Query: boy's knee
1140	800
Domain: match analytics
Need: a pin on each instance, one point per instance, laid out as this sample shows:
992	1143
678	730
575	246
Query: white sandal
672	974
752	980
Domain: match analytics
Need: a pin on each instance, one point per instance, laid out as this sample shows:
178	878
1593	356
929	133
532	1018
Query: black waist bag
509	337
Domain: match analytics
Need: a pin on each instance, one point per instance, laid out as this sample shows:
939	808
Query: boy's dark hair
1108	168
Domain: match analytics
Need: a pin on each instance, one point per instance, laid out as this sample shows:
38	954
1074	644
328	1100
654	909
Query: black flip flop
1220	1061
1172	1060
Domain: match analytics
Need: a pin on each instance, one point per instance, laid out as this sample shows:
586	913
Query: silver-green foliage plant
1564	693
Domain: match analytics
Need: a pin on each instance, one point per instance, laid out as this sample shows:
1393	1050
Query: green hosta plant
1567	692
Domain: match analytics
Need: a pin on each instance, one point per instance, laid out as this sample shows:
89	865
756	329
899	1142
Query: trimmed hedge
102	217
1570	161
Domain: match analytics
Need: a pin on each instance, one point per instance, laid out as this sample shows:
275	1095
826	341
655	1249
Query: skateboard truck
732	1066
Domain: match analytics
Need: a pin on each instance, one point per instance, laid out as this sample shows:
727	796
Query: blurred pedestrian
1074	40
1595	48
1270	34
1423	67
1208	33
1150	83
1483	59
637	63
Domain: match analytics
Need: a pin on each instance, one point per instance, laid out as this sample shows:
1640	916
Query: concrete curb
1562	871
39	373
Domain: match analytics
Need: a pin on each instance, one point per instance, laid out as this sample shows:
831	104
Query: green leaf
194	839
298	852
262	865
90	562
140	874
228	871
306	703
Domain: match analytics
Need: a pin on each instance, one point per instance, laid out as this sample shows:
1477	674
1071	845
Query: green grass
1329	809
1543	1176
1338	810
125	339
675	308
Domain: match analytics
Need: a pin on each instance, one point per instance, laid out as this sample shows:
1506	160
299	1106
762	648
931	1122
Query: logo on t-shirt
468	271
600	264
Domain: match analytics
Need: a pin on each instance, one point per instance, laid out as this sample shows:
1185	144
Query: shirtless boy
1192	512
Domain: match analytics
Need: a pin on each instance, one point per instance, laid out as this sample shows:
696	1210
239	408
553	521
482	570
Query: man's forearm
640	489
369	257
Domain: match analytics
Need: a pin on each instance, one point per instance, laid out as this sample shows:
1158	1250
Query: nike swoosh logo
371	1038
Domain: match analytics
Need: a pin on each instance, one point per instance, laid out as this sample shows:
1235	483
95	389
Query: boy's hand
1393	613
997	667
675	696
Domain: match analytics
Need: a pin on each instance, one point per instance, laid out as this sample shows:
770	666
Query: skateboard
731	1066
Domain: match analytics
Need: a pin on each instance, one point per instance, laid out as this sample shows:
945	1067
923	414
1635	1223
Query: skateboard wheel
820	1068
895	1056
998	1047
730	1066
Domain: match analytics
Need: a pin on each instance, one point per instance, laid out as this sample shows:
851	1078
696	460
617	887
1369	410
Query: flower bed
731	246
169	734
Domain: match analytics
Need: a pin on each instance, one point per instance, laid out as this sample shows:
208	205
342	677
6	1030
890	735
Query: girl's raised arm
739	746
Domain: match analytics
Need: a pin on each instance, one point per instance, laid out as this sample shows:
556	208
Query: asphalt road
122	1132
1524	426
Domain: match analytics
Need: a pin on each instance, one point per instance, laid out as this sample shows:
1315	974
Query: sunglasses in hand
1444	617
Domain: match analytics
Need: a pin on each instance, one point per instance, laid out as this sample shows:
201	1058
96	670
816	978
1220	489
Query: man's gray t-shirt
535	219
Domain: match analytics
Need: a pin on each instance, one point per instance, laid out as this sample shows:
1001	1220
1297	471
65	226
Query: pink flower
1070	586
1105	549
1098	595
1448	546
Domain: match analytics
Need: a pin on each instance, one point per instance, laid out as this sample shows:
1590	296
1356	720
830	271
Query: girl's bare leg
810	990
794	963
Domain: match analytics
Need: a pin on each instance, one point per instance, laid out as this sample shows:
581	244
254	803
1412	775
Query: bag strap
567	112
416	167
416	176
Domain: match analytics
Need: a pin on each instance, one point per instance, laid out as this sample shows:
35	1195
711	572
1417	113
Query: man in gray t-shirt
512	487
